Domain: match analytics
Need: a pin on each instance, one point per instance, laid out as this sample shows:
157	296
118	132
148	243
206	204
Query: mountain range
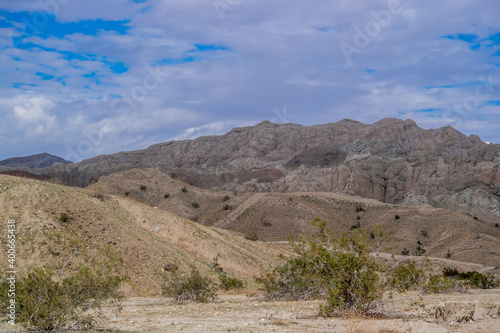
393	161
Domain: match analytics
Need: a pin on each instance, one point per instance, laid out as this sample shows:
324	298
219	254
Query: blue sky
84	78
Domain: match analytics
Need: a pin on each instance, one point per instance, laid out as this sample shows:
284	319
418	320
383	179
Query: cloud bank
83	78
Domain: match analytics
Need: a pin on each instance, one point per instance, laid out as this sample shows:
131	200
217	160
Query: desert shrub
405	276
341	271
397	217
443	284
69	296
405	252
184	189
472	279
266	223
227	207
195	204
64	217
229	283
226	198
127	193
360	209
166	196
420	251
253	237
497	225
192	287
355	226
424	233
143	188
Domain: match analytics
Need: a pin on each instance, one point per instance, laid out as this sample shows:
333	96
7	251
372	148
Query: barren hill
148	238
392	160
439	232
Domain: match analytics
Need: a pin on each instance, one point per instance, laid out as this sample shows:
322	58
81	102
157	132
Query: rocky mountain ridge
37	161
392	160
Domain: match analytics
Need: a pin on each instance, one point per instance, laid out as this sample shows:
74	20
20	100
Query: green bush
184	189
226	198
397	217
443	284
405	276
166	196
195	204
227	207
71	296
229	283
192	287
472	278
341	271
143	188
64	217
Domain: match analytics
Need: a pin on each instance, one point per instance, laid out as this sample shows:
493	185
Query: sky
84	78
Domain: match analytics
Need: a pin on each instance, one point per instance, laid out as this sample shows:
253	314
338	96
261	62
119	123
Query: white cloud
278	54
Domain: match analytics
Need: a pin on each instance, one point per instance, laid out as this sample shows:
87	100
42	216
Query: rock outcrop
392	160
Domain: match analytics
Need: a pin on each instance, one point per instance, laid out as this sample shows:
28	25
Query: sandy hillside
148	238
273	216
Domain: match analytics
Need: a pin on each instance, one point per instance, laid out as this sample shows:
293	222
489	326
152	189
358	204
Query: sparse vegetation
497	225
143	188
69	293
226	198
355	226
184	189
340	271
472	278
252	237
192	287
127	193
424	233
405	252
195	204
266	223
229	283
227	207
405	276
64	217
360	209
420	251
397	217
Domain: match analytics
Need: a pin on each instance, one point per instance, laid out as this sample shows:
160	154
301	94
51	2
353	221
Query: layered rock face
392	160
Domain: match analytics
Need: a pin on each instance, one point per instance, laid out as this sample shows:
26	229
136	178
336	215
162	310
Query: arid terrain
223	208
150	237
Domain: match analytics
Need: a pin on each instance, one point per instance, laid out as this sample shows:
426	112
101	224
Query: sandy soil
236	313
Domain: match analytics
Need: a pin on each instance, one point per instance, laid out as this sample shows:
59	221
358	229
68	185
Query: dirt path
235	313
